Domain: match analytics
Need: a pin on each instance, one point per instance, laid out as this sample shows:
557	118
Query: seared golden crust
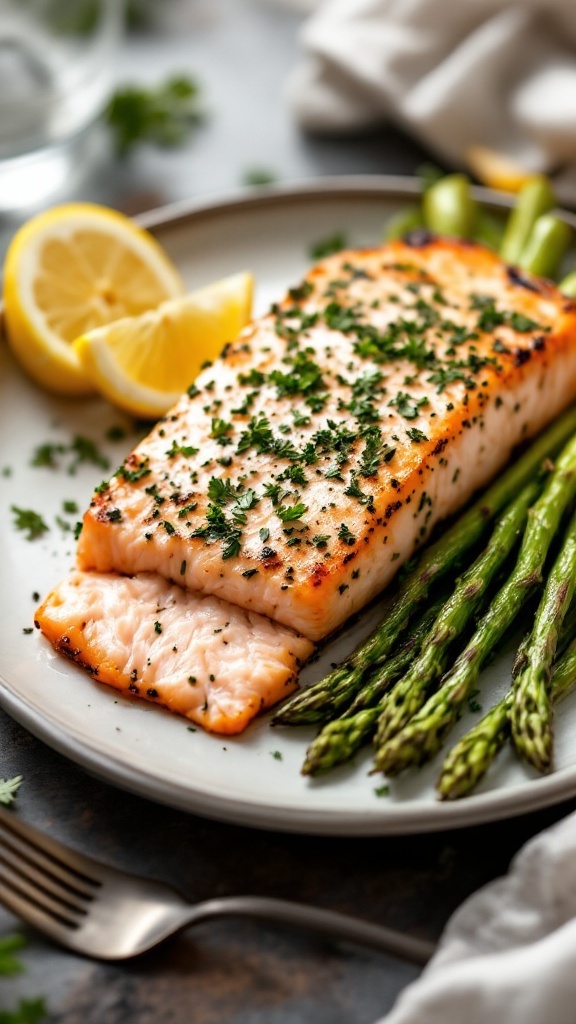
319	451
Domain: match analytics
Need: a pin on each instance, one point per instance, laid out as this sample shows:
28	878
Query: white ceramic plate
253	779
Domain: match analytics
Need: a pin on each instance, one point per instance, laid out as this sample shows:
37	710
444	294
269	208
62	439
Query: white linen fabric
508	955
501	73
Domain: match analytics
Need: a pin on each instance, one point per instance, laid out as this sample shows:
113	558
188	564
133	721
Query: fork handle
327	922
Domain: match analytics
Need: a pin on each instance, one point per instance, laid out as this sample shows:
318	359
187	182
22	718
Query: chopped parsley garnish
220	430
222	490
354	491
258	435
29	522
304	376
275	492
416	435
288	513
85	450
522	324
132	470
301	291
328	246
8	791
82	449
164	115
115	433
346	535
295	474
259	176
300	419
219	528
375	452
408	406
45	454
187	450
255	379
155	493
320	540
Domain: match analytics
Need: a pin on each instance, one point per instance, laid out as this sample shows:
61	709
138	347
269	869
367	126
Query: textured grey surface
235	971
242	52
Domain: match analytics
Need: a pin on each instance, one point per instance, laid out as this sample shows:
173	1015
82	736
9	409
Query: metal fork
107	914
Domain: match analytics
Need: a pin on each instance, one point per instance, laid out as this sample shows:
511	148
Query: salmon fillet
216	664
316	454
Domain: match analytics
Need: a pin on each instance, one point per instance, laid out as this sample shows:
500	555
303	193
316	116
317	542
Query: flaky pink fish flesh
216	664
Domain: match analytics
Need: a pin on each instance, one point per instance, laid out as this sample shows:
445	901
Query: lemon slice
70	270
143	364
496	170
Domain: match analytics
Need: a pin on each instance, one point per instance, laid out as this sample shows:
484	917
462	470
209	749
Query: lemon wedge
496	170
142	364
72	269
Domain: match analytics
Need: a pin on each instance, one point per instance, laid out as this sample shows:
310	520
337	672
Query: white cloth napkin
508	955
501	73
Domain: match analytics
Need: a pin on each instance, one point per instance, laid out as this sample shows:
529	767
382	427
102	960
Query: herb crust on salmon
316	454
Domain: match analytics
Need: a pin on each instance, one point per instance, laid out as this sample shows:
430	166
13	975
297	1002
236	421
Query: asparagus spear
546	246
543	522
471	757
409	694
534	199
380	680
411	729
339	740
568	285
449	207
374	684
406	220
434	563
531	711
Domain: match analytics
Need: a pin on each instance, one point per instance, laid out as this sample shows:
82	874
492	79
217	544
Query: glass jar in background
56	74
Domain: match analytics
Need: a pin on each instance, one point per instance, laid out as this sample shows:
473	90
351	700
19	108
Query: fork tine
33	902
77	872
12	858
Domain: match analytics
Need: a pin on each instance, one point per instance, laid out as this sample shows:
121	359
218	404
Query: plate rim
396	819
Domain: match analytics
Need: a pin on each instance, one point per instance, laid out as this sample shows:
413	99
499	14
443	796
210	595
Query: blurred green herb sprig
165	116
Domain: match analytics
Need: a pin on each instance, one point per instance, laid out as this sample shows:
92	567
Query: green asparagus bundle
534	200
471	757
533	238
319	702
339	740
410	693
531	714
543	523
